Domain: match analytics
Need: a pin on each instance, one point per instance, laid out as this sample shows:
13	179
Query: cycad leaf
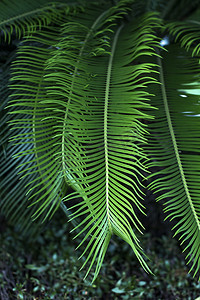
25	16
13	196
34	134
175	146
36	157
104	99
187	34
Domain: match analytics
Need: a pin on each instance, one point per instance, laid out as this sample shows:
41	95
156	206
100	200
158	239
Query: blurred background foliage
44	268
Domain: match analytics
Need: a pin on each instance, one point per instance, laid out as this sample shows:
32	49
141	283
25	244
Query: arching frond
103	98
81	109
187	34
175	146
84	97
18	156
14	200
28	90
25	16
46	181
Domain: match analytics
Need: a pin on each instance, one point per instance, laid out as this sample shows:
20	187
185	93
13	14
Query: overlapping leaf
175	146
14	200
101	99
35	137
23	17
79	107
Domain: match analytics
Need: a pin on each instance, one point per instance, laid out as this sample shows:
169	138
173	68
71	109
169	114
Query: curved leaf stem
34	122
72	85
108	78
169	121
29	13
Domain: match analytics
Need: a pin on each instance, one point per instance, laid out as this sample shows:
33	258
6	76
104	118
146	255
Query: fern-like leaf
104	99
25	16
175	147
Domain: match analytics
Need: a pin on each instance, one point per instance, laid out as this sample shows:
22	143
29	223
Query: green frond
25	16
101	99
20	156
14	201
68	91
175	147
35	137
187	34
82	115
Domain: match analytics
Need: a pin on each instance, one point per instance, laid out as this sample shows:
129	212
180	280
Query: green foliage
46	269
97	105
176	151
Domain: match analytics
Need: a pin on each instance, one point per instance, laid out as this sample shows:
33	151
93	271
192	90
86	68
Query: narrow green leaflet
95	101
24	17
36	156
103	99
175	147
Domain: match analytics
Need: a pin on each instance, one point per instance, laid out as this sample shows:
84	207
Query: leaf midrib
71	89
107	91
169	121
29	13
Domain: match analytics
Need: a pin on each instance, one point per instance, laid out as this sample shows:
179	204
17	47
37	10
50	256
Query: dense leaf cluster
102	104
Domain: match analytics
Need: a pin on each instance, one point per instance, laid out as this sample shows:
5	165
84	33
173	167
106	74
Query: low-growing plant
102	100
47	268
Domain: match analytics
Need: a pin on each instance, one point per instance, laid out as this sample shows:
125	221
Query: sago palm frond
186	34
91	134
25	16
83	116
14	198
11	185
175	146
104	99
28	90
46	183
